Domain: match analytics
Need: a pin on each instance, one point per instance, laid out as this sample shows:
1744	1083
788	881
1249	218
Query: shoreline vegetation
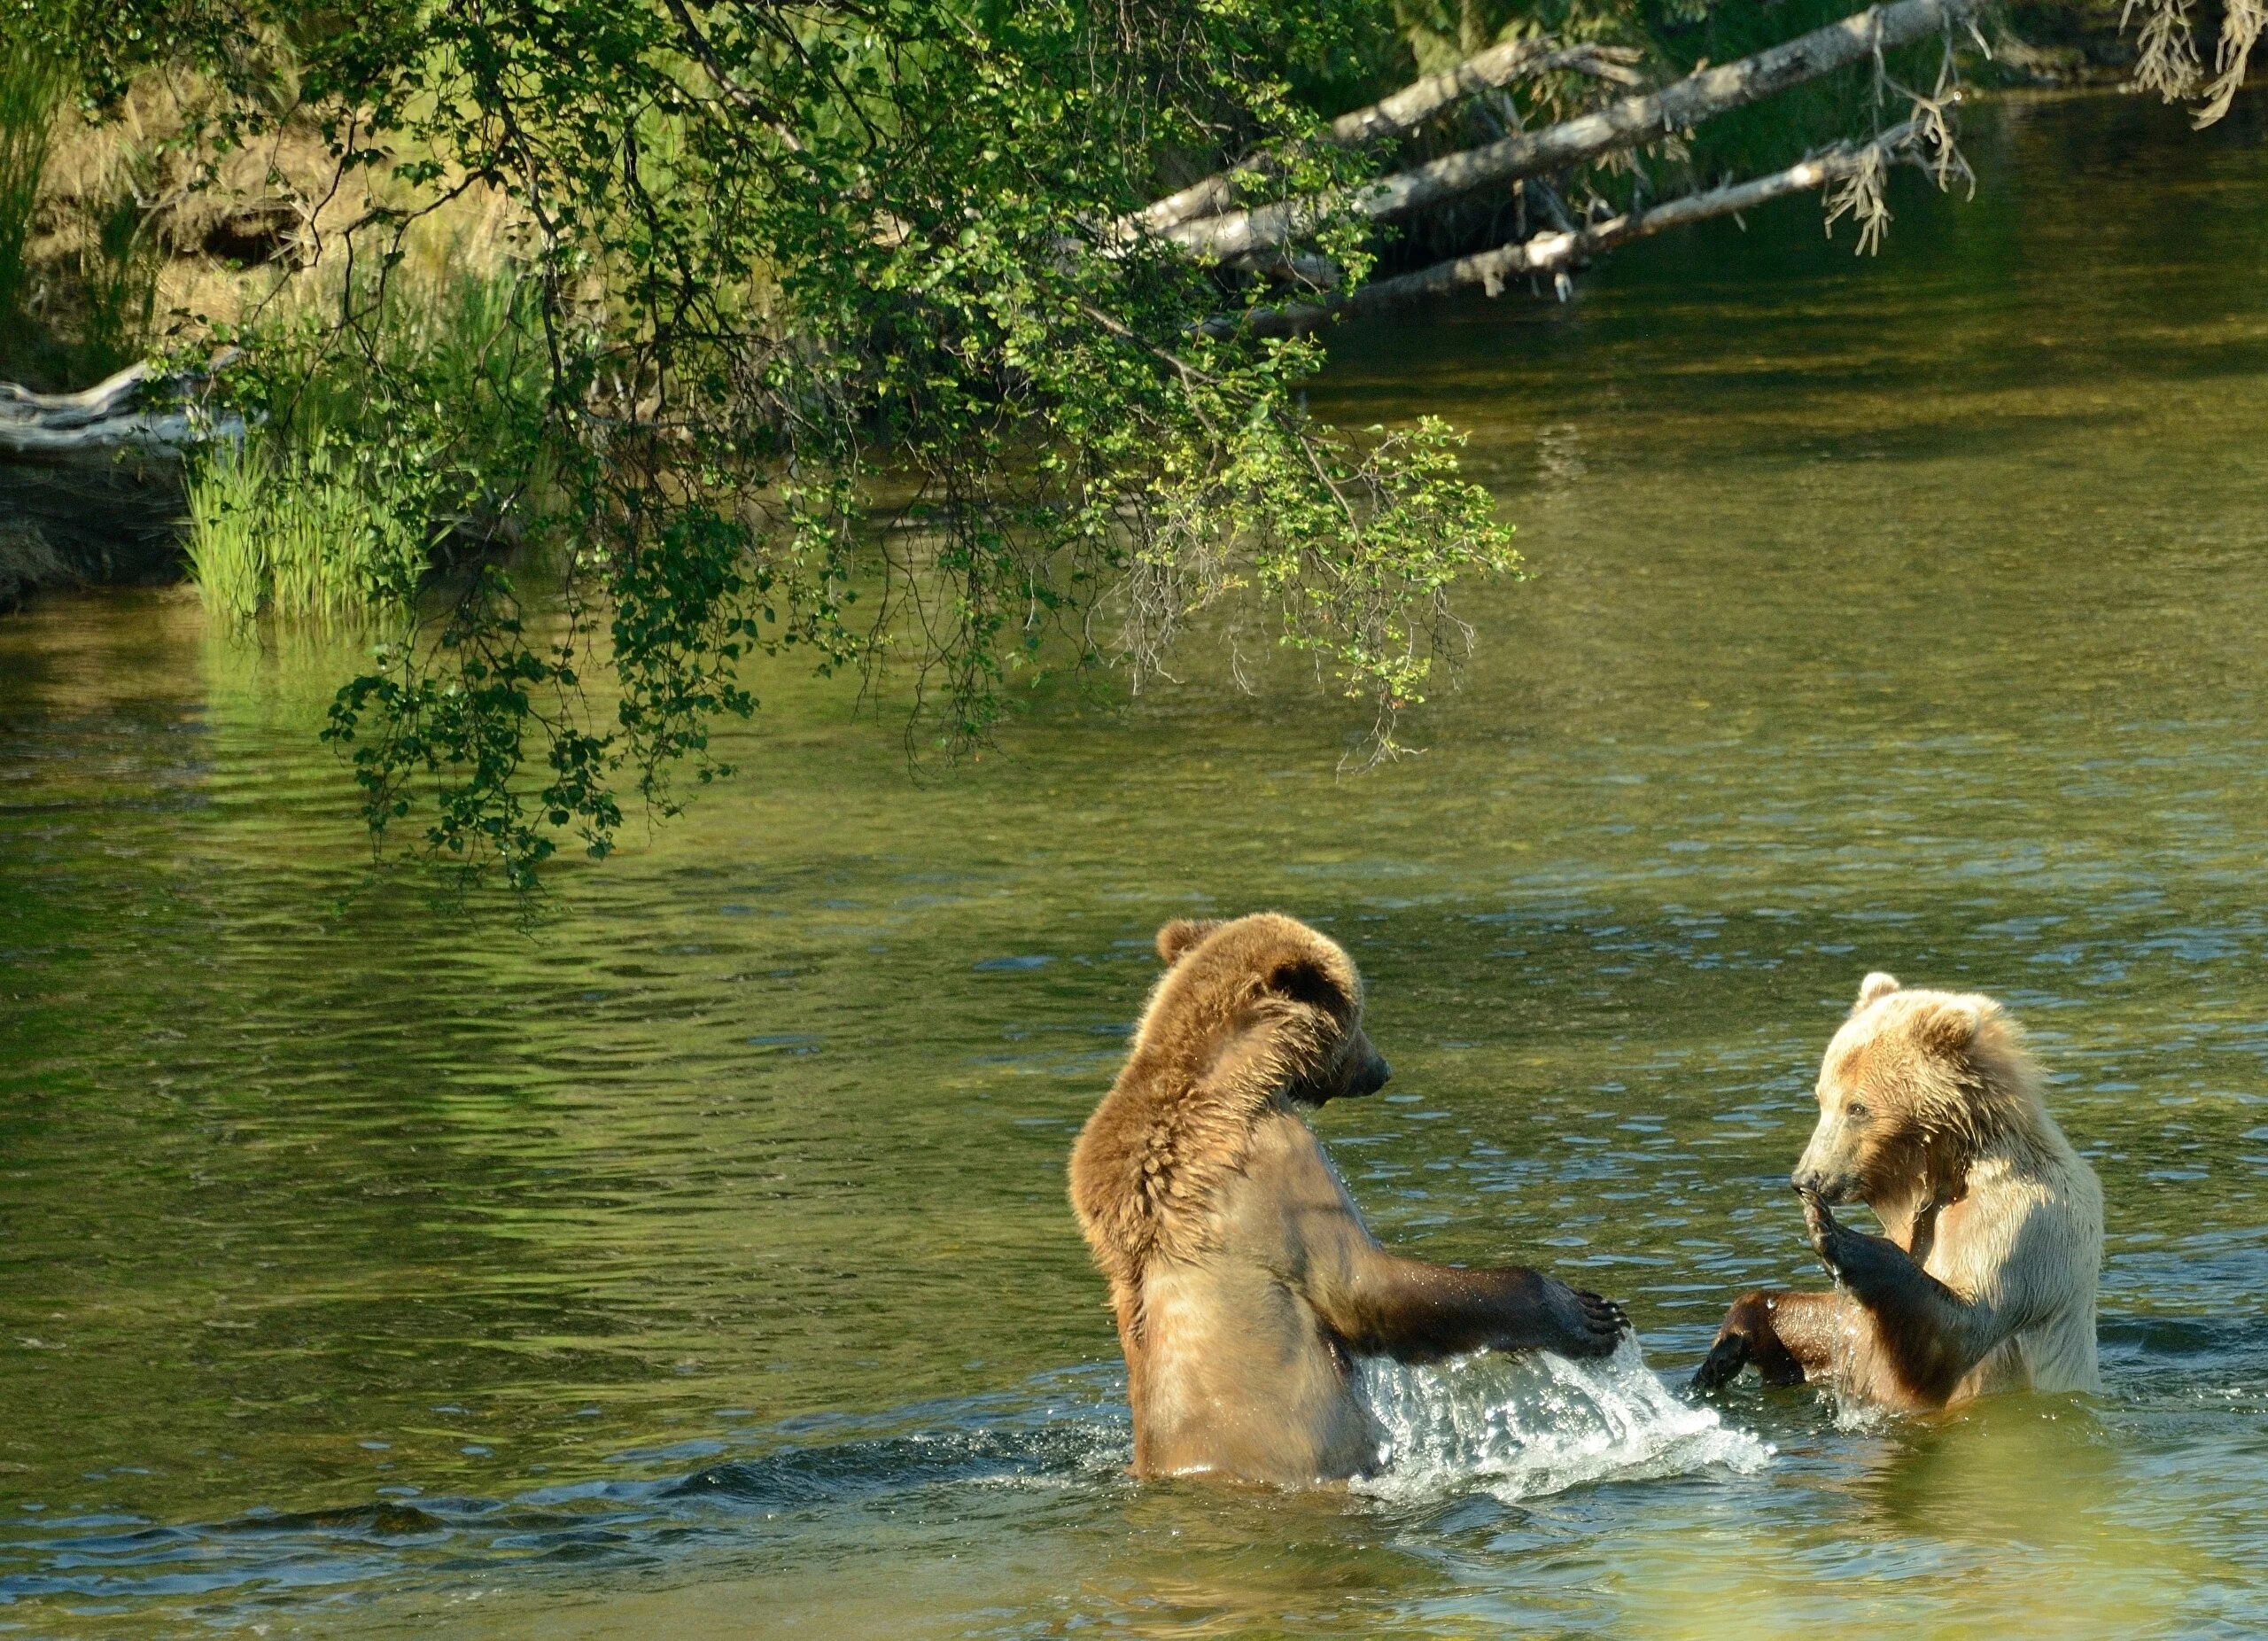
720	318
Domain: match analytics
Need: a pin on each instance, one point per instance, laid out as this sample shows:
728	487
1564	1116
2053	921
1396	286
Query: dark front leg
1929	1335
1786	1337
1418	1313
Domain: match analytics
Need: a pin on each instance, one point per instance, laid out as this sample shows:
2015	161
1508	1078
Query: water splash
1854	1413
1521	1426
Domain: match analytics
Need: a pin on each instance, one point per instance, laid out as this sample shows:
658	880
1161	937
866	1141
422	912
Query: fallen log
1395	116
104	419
91	482
1624	123
1551	252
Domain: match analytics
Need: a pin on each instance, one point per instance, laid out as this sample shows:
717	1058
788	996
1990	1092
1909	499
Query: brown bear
1243	1279
1929	1113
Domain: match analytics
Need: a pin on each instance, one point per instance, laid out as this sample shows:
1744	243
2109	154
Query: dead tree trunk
1550	253
99	422
1628	122
1397	116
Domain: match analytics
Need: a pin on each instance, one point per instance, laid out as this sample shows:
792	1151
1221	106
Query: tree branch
737	93
1405	111
1622	124
1549	252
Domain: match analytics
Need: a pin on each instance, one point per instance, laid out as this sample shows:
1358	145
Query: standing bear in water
1243	1280
1929	1113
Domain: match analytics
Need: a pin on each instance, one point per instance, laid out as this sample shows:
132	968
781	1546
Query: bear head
1914	1087
1265	996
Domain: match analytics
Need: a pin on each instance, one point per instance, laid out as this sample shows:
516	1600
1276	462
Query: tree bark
1549	252
99	420
1621	124
1394	116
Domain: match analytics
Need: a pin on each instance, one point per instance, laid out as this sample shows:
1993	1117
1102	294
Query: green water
699	1266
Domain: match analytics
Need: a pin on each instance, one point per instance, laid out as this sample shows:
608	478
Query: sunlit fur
1213	1210
1958	1158
1248	1013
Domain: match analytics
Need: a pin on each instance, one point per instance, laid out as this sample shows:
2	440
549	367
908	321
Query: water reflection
700	1264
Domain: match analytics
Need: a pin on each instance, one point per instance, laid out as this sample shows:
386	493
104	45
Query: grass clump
32	87
275	529
384	448
80	259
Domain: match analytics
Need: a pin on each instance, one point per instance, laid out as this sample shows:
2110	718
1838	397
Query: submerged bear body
2025	1241
1240	1373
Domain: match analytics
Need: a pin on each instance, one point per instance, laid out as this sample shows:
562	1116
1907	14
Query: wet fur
1242	1278
1268	1012
1986	1279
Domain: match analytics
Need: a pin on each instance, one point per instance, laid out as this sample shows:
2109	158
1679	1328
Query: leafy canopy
830	301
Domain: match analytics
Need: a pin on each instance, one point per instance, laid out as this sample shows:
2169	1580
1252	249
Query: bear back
1248	1012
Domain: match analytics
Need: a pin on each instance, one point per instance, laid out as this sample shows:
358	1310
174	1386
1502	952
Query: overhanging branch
1621	124
1550	253
1394	116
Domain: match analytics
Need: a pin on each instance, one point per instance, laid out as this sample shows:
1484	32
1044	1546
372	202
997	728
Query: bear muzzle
1840	1188
1367	1071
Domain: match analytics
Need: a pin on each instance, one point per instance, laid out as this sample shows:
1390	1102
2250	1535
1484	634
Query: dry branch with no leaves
1624	123
1397	115
1550	253
101	418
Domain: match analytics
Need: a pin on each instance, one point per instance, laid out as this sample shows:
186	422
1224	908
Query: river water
697	1265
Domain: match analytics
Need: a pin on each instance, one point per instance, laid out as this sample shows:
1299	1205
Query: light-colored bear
1929	1113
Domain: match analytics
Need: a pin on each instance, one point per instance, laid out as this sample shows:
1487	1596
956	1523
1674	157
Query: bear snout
1374	1074
1826	1187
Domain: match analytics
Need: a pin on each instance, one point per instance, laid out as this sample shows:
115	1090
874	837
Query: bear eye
1855	1111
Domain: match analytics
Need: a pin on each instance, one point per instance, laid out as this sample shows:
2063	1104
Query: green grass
334	506
95	311
118	279
296	534
32	86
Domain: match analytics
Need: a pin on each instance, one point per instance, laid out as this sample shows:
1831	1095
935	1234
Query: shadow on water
807	1470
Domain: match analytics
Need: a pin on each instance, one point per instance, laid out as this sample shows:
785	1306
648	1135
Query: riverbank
126	224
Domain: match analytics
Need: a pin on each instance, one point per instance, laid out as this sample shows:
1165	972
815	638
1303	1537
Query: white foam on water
1521	1426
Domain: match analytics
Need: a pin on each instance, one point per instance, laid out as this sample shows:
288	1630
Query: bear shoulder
1245	1010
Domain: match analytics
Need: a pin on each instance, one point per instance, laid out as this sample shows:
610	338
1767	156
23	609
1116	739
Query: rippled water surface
698	1265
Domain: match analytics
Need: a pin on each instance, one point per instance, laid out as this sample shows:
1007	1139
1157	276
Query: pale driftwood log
1550	253
91	485
1621	124
1397	115
100	419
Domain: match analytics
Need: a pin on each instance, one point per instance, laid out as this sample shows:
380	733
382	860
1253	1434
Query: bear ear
1305	980
1175	938
1874	986
1951	1027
